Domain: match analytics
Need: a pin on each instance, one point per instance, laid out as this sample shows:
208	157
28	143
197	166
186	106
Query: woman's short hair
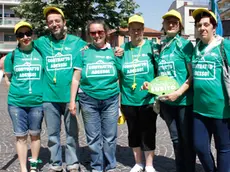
204	14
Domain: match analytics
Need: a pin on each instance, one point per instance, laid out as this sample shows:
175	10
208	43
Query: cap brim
22	25
198	11
167	15
134	21
171	15
47	9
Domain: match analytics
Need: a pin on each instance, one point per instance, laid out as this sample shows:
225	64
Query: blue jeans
26	120
100	120
179	120
204	129
53	112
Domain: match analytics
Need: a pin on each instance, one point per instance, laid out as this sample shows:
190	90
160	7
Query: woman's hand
170	97
73	108
145	86
118	51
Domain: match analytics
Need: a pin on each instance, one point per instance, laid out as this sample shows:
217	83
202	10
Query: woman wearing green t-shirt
95	71
176	108
174	60
136	66
211	108
23	68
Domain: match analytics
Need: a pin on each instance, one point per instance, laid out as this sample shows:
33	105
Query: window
154	40
9	37
190	12
1	36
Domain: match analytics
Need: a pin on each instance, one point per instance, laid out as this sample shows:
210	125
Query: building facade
7	21
224	9
120	36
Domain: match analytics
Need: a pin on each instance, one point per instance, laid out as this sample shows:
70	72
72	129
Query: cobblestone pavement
163	161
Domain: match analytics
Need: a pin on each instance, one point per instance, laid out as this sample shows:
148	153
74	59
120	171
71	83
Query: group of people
199	109
52	74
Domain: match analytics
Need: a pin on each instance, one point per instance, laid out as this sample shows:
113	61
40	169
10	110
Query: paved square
163	161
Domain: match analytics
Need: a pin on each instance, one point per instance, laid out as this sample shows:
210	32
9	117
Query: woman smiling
95	69
23	68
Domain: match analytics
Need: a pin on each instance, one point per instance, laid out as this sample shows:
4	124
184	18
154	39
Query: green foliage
78	13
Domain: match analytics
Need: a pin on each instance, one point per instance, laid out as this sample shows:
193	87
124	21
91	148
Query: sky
152	11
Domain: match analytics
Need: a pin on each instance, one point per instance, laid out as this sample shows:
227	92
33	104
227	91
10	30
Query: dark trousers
179	120
141	121
204	129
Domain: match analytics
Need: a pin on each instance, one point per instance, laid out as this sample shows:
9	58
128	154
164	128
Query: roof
146	30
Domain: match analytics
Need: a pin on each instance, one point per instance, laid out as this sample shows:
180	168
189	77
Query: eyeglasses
136	30
172	22
100	33
21	34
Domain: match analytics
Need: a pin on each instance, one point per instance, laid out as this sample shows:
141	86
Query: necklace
167	44
55	68
134	85
29	65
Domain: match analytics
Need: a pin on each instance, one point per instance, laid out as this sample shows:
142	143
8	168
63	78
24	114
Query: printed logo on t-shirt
100	69
167	69
103	57
136	67
29	59
28	71
204	70
59	62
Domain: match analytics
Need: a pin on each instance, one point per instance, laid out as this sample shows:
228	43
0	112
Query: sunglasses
21	34
100	33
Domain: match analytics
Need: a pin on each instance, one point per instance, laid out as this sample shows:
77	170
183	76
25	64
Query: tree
78	13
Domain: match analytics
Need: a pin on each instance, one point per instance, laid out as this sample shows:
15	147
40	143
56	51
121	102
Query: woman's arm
8	79
2	63
73	91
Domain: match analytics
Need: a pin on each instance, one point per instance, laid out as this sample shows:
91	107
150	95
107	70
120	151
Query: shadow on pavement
9	163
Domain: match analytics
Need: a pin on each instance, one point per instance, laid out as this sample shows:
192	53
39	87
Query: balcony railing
10	0
200	2
9	21
7	47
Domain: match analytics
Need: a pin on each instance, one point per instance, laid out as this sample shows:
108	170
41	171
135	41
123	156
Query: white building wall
185	8
7	22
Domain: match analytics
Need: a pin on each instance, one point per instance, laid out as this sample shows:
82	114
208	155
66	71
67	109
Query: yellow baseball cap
173	13
49	8
136	18
201	10
21	24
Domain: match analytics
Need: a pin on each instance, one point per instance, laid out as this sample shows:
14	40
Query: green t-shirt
26	78
58	57
172	61
136	66
210	97
99	77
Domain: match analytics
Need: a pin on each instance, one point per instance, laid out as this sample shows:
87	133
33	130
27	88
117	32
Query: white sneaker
150	169
137	168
